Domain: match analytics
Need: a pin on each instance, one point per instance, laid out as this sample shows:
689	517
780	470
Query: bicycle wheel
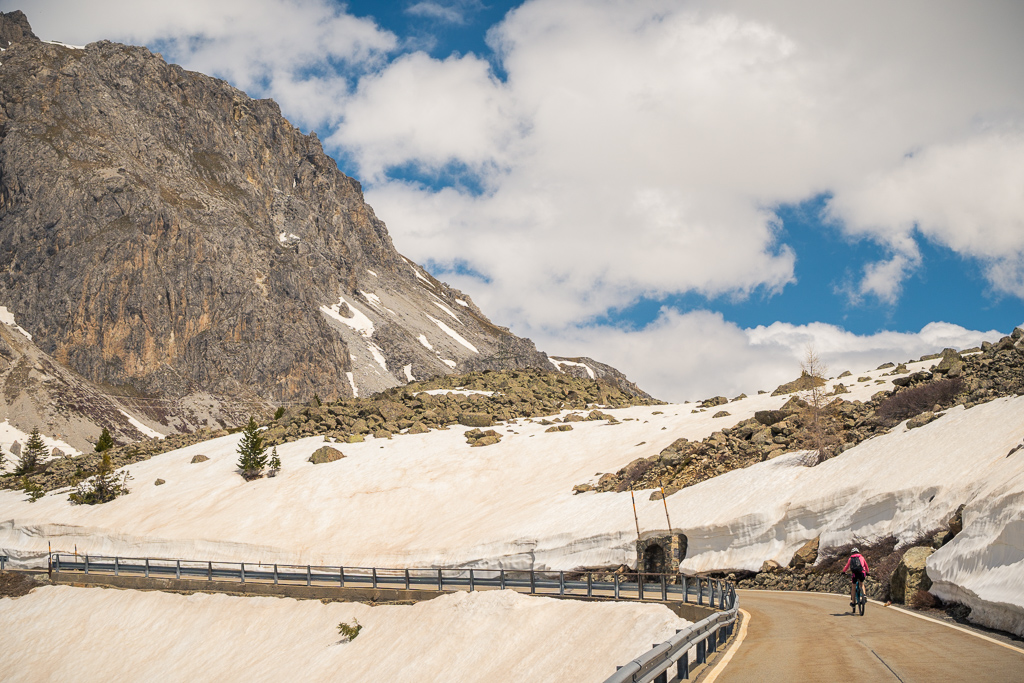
861	599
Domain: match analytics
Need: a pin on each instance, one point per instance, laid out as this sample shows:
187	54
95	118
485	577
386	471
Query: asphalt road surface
814	637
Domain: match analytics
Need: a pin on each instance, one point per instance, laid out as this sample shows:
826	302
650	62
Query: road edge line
727	657
904	611
957	628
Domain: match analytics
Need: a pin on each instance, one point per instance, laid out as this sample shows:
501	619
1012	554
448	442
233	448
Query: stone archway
654	561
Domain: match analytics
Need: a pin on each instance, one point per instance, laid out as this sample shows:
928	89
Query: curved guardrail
704	636
658	587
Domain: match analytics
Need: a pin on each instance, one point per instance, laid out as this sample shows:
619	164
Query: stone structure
660	552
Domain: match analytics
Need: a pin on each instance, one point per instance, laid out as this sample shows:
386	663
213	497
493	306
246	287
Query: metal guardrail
657	587
705	635
3	561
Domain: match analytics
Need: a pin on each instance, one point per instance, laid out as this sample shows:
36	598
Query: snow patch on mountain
453	334
7	318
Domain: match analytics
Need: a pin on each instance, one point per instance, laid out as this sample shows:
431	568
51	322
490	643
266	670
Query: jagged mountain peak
163	234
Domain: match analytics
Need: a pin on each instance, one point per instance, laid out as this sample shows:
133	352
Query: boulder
921	420
355	438
714	401
487	440
198	458
582	488
325	454
771	566
951	364
839	389
475	419
722	413
911	574
955	524
382	434
559	428
418	428
806	555
801	383
159	482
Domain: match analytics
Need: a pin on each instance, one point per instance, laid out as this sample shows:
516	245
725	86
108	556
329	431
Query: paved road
813	637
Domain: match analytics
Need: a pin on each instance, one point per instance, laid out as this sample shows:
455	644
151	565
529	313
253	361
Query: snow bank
91	634
429	500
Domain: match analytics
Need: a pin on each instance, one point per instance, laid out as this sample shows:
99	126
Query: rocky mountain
165	237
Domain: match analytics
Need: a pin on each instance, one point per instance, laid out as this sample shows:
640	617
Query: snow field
95	634
431	500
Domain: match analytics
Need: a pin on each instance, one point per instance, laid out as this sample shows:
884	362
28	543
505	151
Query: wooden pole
639	557
666	505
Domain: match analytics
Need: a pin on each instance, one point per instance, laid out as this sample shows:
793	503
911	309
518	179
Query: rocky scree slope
970	378
161	233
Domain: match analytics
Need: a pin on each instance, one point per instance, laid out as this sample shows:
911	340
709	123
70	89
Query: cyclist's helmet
855	550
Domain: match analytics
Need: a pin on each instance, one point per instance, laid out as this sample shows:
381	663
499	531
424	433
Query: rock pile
996	370
475	400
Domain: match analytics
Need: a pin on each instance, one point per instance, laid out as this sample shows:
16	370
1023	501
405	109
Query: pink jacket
863	562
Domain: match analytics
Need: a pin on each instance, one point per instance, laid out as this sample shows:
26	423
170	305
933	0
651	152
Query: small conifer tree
252	454
104	442
279	413
275	462
31	454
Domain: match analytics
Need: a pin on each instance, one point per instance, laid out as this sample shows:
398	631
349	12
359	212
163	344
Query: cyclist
858	567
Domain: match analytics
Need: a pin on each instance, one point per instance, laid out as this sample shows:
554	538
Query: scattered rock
325	454
801	383
911	574
921	420
159	482
722	413
844	373
885	366
559	428
806	555
475	419
198	458
714	401
771	566
582	488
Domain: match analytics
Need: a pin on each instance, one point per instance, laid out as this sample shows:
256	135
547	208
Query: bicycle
860	599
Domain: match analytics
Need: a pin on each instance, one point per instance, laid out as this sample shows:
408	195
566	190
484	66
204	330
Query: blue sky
636	180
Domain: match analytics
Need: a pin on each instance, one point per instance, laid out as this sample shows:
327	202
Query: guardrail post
713	640
209	571
664	588
406	579
502	578
700	594
341	577
243	572
309	576
533	583
616	586
640	586
702	652
663	676
115	566
686	591
472	584
590	585
57	564
147	567
374	572
561	583
3	560
683	667
86	564
440	580
177	569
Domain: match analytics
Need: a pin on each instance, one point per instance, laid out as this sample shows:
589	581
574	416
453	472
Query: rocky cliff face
164	235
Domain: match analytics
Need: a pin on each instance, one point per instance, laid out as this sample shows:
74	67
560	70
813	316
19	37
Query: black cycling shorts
858	576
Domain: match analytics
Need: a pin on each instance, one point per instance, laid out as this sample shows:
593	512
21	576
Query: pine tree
252	454
275	462
105	441
31	453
